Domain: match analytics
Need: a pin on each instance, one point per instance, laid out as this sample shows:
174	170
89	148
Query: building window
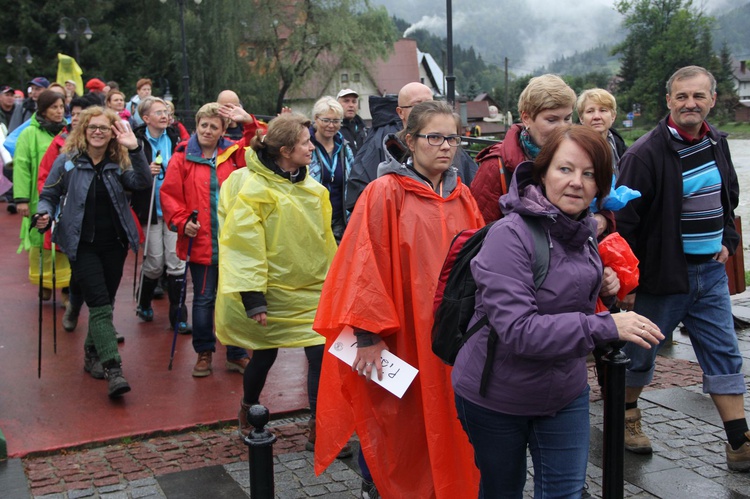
344	77
355	78
269	53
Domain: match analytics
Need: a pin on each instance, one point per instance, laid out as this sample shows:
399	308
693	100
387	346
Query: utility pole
506	95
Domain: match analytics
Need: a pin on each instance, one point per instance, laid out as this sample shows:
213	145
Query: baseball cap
40	81
347	91
5	89
95	84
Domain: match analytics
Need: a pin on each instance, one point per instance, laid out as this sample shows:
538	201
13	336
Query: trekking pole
41	291
135	275
145	244
193	218
613	441
54	292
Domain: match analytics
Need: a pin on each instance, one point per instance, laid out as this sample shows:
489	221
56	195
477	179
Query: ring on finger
367	364
643	325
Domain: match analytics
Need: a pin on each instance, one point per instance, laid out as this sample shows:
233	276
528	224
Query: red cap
95	85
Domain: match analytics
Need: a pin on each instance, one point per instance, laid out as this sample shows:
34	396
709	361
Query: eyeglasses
99	128
160	113
435	139
329	121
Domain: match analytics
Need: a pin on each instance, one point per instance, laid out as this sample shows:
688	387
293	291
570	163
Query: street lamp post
20	55
77	29
185	73
450	78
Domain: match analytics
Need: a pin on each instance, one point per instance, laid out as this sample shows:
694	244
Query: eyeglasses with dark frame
99	128
435	139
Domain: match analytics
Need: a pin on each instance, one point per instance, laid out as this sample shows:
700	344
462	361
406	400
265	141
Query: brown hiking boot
739	460
203	366
635	440
244	427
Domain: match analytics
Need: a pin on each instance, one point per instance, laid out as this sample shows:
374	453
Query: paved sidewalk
687	435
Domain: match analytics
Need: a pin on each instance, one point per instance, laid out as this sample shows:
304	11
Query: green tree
297	39
663	35
726	98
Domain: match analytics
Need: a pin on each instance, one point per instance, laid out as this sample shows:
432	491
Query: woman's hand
627	303
260	318
192	228
610	283
155	169
42	221
23	209
637	329
233	112
368	359
124	135
601	224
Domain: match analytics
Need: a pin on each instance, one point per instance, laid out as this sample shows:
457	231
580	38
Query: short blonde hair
325	104
210	110
545	92
598	96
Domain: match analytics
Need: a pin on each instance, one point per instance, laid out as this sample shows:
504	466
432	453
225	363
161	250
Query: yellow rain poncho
275	238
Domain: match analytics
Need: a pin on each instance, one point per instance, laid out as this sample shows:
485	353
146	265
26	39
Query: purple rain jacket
545	335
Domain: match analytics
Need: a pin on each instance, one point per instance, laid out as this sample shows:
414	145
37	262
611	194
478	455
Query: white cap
347	91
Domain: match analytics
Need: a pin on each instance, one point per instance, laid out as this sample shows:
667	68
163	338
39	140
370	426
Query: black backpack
454	298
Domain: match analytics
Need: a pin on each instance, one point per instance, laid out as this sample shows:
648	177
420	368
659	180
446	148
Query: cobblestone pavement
687	437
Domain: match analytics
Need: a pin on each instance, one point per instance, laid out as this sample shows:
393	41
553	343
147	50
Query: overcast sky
547	29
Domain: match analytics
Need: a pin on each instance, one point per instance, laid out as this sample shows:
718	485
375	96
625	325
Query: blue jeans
706	311
205	281
559	447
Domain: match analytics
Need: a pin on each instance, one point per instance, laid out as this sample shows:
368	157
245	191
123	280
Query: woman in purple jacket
538	395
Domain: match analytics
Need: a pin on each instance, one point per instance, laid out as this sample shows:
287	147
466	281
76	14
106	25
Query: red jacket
489	183
192	183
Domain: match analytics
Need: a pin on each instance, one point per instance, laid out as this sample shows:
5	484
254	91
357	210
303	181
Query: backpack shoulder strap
505	176
541	249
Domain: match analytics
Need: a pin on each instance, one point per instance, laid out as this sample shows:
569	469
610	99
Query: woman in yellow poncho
275	247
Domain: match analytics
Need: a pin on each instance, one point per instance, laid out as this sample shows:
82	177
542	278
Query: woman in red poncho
382	283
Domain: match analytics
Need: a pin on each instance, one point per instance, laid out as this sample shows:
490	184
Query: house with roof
742	85
405	64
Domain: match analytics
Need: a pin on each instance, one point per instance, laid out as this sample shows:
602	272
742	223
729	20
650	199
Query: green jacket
31	146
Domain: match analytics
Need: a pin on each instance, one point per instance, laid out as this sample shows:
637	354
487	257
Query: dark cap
40	81
5	89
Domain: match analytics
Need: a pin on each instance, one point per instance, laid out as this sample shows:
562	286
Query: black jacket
355	132
139	200
651	223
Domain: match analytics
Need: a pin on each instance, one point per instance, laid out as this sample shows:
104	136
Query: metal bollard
260	453
613	392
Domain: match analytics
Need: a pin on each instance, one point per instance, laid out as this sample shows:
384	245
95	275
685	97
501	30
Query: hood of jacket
383	111
395	152
527	198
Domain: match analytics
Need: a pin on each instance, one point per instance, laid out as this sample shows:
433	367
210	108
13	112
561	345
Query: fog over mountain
531	33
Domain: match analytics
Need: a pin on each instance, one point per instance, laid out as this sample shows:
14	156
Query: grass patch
736	131
747	278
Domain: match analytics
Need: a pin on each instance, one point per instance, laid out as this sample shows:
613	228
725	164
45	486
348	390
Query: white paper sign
397	374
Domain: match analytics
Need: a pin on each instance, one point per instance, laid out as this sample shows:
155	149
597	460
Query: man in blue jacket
682	231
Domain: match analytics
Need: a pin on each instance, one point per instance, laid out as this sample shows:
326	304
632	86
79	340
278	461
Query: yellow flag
68	69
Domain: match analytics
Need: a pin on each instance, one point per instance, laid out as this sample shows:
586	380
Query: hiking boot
369	491
739	460
118	385
345	452
237	365
244	427
184	328
92	364
158	292
46	294
635	440
70	318
65	294
145	314
203	366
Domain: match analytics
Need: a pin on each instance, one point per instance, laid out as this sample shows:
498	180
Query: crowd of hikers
299	230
